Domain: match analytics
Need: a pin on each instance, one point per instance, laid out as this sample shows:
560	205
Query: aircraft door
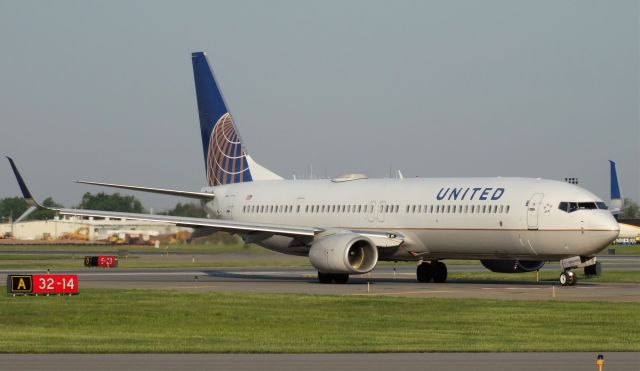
533	205
229	203
371	211
381	210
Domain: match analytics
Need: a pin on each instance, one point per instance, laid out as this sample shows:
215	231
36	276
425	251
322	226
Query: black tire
424	272
593	270
341	278
439	272
564	279
573	279
325	277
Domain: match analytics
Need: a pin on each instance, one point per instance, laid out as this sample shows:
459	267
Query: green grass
36	257
623	250
169	321
188	248
610	276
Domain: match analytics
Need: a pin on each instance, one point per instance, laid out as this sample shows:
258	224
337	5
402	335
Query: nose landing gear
568	278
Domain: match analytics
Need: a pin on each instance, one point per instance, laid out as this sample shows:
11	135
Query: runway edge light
600	362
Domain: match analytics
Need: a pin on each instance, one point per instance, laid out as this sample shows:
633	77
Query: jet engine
512	266
348	253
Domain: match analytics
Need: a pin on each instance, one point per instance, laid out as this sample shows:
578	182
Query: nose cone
603	229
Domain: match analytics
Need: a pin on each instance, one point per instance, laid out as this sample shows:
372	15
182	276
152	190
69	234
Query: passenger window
501	208
508	207
448	208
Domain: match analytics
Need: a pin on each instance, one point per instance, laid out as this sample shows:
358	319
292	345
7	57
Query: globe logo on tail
226	158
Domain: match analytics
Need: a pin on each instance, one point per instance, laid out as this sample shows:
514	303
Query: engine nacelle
512	266
344	253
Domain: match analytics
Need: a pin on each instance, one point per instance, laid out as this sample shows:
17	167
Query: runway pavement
383	281
312	362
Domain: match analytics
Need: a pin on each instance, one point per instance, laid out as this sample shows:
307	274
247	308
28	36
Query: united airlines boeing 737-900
348	224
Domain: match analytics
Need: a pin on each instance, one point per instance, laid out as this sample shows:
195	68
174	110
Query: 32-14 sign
55	284
43	284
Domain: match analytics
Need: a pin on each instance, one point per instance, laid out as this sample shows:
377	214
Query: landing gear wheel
325	277
439	272
568	278
593	270
340	278
424	272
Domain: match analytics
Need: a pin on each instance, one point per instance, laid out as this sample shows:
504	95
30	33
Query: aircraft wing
218	224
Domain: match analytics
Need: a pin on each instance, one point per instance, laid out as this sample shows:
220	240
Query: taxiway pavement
383	281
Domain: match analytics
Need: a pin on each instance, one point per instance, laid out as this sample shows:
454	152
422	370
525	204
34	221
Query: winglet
23	186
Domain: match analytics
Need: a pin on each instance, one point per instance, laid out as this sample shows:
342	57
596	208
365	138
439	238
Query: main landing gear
332	277
568	278
436	271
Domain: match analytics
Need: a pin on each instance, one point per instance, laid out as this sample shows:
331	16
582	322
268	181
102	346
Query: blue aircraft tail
616	196
225	158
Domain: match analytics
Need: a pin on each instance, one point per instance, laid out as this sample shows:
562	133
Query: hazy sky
104	90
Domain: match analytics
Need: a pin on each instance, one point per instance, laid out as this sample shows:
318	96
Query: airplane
347	224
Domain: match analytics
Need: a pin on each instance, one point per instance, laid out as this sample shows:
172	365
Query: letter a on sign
21	284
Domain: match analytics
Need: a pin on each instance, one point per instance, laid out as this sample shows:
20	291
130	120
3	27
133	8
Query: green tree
187	209
12	208
113	202
630	209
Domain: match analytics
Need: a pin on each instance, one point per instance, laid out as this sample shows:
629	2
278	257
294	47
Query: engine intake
512	266
344	253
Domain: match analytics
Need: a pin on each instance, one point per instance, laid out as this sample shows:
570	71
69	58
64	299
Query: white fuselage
439	218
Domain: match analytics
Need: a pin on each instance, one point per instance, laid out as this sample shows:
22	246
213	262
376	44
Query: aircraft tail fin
616	196
225	157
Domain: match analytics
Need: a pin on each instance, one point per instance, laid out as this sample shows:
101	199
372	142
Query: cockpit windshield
575	206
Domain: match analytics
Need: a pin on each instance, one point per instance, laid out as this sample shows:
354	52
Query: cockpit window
587	205
574	206
602	206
